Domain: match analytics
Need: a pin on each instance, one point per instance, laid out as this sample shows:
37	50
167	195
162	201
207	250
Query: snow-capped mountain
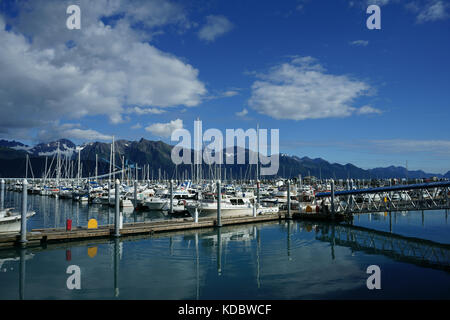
66	147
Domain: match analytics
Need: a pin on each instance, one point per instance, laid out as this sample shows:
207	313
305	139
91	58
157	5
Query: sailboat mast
26	166
257	152
113	158
110	160
79	163
58	165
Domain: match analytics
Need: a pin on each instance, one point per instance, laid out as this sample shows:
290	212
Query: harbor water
273	260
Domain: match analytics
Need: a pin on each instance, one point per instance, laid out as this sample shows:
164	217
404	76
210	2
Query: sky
310	68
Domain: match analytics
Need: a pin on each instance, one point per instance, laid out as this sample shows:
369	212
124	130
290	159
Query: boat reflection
264	252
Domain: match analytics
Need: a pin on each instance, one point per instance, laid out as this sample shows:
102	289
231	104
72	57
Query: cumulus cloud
71	131
136	126
230	93
302	89
426	10
359	43
142	111
368	110
165	129
50	73
242	113
434	10
215	26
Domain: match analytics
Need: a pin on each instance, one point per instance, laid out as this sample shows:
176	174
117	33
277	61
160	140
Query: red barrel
68	225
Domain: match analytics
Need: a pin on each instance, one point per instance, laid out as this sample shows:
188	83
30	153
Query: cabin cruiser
10	220
180	199
229	207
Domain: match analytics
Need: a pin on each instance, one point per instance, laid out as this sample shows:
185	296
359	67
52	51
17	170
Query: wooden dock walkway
38	237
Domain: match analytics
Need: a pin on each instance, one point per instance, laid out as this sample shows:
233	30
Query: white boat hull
12	223
211	211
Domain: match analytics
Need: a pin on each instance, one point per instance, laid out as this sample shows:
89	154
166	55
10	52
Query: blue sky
312	69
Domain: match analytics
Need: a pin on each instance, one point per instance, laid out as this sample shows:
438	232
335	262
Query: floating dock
37	237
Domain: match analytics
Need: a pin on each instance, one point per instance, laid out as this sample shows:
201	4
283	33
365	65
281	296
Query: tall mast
257	152
123	167
79	165
58	165
110	160
45	171
26	166
113	158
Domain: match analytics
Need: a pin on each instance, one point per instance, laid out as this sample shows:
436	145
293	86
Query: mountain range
157	154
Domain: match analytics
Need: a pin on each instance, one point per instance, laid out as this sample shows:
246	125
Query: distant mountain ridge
158	155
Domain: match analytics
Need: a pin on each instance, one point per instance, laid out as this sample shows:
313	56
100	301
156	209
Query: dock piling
117	215
288	199
23	221
219	200
196	215
2	194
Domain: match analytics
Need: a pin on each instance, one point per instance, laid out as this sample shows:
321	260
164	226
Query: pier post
2	194
171	197
219	252
332	199
254	210
135	194
117	215
196	215
288	199
219	200
23	220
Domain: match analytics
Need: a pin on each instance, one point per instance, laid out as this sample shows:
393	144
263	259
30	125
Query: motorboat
10	220
229	207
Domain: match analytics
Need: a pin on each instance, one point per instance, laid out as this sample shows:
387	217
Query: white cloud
301	89
70	131
242	113
142	111
230	93
215	26
107	68
136	126
434	10
165	129
377	2
368	110
426	10
359	43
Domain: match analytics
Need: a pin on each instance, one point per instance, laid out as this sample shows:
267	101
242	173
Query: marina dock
42	236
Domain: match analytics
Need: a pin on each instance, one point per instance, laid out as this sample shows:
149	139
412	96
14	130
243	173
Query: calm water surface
276	260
